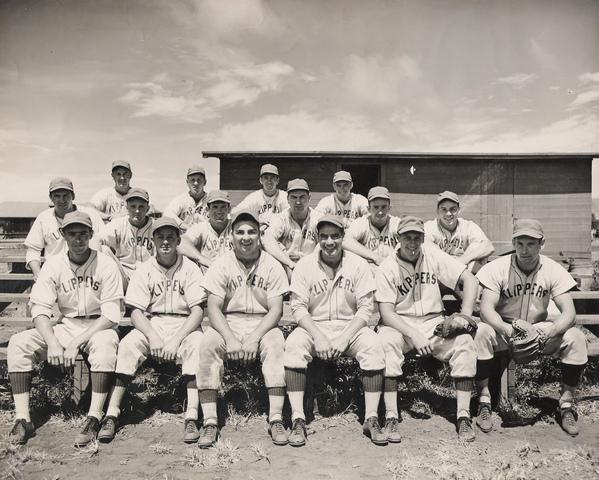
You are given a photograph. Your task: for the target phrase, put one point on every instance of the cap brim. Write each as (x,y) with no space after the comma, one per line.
(527,233)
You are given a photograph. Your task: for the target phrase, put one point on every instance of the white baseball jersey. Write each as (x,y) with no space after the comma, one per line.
(185,208)
(45,234)
(355,207)
(131,245)
(381,241)
(160,290)
(208,242)
(94,288)
(265,206)
(346,296)
(245,292)
(525,296)
(454,243)
(414,290)
(110,202)
(295,240)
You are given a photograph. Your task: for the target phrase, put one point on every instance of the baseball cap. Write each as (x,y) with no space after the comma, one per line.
(163,222)
(378,192)
(244,215)
(528,227)
(269,168)
(196,169)
(342,176)
(332,219)
(297,184)
(218,196)
(447,195)
(121,163)
(61,183)
(410,224)
(138,193)
(76,217)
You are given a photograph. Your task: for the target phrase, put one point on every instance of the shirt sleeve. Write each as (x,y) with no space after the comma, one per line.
(322,206)
(215,279)
(448,268)
(365,306)
(173,209)
(300,293)
(194,234)
(99,201)
(112,283)
(279,285)
(34,242)
(386,291)
(277,227)
(43,293)
(194,292)
(488,276)
(138,291)
(562,280)
(476,234)
(109,235)
(356,231)
(364,279)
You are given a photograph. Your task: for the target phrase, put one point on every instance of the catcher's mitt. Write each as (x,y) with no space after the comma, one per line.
(526,343)
(455,324)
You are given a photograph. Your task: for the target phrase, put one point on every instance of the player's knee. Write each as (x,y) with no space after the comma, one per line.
(575,338)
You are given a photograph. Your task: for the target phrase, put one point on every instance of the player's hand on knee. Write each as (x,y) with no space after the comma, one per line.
(422,344)
(55,354)
(70,354)
(323,347)
(338,346)
(169,352)
(234,349)
(250,350)
(156,347)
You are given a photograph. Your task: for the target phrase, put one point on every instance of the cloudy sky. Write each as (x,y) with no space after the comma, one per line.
(85,82)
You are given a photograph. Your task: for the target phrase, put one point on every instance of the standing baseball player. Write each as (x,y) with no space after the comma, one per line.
(129,238)
(245,290)
(332,293)
(462,239)
(292,233)
(411,306)
(165,294)
(45,232)
(520,286)
(206,241)
(190,207)
(86,286)
(343,202)
(267,201)
(110,202)
(374,236)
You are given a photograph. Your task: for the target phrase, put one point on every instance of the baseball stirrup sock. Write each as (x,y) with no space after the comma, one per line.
(463,384)
(208,396)
(295,378)
(483,369)
(571,374)
(101,381)
(372,380)
(390,384)
(122,380)
(20,382)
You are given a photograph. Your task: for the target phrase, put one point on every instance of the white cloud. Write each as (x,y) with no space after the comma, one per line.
(554,88)
(518,80)
(589,77)
(544,57)
(585,98)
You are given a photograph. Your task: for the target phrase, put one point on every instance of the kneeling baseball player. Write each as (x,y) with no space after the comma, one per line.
(165,294)
(86,285)
(245,290)
(332,293)
(516,294)
(411,305)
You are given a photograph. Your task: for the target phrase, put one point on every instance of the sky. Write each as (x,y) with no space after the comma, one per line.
(83,83)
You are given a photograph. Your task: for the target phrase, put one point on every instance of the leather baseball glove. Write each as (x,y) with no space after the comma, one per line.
(455,324)
(526,343)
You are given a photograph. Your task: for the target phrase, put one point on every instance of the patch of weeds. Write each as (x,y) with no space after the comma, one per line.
(326,423)
(236,420)
(161,418)
(15,457)
(69,420)
(90,450)
(260,451)
(161,448)
(221,456)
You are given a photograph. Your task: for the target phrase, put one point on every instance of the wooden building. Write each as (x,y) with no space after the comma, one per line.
(494,189)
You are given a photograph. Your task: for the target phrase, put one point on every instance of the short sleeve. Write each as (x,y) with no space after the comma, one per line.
(386,291)
(356,231)
(488,276)
(279,285)
(194,292)
(138,291)
(43,293)
(215,279)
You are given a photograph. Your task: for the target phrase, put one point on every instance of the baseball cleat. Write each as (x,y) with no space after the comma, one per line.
(568,421)
(208,436)
(191,434)
(392,430)
(465,430)
(484,419)
(21,431)
(372,429)
(107,429)
(88,433)
(297,436)
(278,433)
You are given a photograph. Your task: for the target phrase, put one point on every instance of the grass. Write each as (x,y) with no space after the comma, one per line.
(260,451)
(221,456)
(161,448)
(13,459)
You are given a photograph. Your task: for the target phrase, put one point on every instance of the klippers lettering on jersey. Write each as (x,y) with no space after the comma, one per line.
(384,240)
(186,209)
(132,245)
(295,239)
(110,202)
(457,242)
(207,241)
(355,207)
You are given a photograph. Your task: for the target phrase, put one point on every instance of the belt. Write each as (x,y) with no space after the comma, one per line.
(161,314)
(87,317)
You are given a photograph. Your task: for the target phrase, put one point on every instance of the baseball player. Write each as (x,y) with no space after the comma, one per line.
(190,207)
(267,201)
(411,306)
(332,293)
(343,202)
(110,202)
(45,232)
(205,241)
(245,290)
(520,286)
(292,233)
(460,238)
(165,294)
(129,238)
(86,286)
(374,236)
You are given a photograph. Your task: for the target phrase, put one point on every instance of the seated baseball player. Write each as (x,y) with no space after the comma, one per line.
(411,306)
(267,201)
(110,202)
(165,294)
(245,290)
(86,286)
(332,293)
(374,236)
(205,241)
(516,293)
(462,239)
(45,232)
(129,238)
(292,233)
(343,202)
(190,207)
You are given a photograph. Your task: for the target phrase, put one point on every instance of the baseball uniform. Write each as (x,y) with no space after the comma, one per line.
(355,207)
(382,241)
(457,242)
(296,241)
(110,202)
(264,205)
(187,210)
(209,243)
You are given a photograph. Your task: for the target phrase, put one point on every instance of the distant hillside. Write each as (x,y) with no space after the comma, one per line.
(21,209)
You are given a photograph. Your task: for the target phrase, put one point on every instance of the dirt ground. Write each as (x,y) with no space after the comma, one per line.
(336,449)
